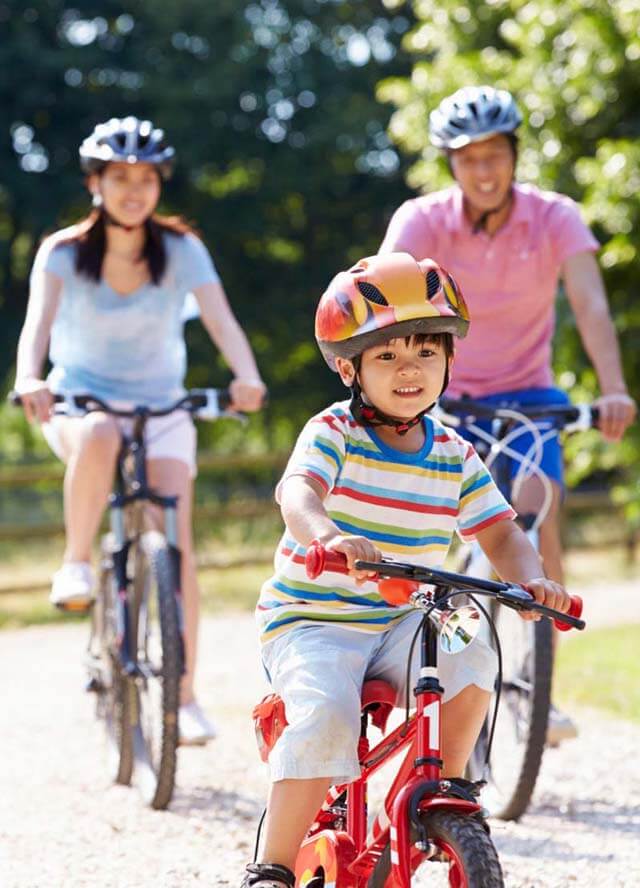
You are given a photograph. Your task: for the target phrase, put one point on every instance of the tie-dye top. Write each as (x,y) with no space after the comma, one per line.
(408,504)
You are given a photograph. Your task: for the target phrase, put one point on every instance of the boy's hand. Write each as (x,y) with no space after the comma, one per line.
(356,548)
(548,593)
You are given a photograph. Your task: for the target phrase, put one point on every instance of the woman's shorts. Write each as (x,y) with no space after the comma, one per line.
(319,672)
(166,437)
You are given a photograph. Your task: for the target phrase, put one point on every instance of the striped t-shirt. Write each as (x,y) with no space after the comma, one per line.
(407,504)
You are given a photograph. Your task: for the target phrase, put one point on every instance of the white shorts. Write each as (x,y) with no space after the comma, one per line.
(319,672)
(166,437)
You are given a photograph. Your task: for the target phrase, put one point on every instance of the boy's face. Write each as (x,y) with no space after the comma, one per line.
(400,378)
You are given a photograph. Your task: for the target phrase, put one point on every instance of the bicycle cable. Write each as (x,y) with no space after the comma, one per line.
(494,635)
(258,833)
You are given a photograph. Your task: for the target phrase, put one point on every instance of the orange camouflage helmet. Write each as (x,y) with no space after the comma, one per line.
(384,297)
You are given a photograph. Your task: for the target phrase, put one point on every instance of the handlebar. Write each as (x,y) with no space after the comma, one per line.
(571,418)
(207,403)
(398,583)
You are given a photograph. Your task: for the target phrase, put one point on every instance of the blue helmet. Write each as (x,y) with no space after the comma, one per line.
(472,114)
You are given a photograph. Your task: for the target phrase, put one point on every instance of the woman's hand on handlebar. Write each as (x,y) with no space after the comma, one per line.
(35,397)
(355,548)
(247,395)
(550,594)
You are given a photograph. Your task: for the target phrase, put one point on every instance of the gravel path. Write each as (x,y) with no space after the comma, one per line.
(63,826)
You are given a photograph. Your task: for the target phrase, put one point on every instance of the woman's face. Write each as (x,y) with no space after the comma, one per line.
(130,192)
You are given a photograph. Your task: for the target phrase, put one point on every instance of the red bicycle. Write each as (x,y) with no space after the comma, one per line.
(429,830)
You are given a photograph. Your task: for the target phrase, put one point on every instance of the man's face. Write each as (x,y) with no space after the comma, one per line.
(484,171)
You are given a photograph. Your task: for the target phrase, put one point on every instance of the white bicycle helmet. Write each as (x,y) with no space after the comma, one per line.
(472,114)
(126,140)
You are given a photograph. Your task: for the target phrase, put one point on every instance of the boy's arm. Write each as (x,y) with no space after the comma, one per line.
(301,502)
(516,561)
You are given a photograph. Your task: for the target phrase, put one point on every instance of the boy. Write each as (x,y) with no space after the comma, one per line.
(374,477)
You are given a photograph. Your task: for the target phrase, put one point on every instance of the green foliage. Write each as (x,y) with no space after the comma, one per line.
(574,67)
(283,159)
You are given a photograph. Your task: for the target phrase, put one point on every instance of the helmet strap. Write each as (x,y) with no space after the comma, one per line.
(368,414)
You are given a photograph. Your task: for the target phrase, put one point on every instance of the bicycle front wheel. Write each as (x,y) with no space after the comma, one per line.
(156,628)
(521,725)
(114,691)
(465,856)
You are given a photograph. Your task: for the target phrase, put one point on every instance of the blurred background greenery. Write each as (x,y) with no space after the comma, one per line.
(300,125)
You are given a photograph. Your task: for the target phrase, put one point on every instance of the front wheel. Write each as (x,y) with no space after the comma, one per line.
(465,856)
(159,662)
(114,692)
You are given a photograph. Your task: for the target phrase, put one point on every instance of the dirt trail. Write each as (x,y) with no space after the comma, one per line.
(63,826)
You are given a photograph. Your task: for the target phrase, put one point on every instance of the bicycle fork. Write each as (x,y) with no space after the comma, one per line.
(425,791)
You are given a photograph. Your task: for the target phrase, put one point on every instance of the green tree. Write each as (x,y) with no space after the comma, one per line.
(284,162)
(575,69)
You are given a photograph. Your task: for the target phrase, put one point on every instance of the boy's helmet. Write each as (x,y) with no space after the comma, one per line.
(472,114)
(384,297)
(126,141)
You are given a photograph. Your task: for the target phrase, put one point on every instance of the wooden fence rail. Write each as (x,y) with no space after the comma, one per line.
(577,504)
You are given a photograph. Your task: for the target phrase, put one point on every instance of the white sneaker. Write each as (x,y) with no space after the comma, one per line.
(194,727)
(72,586)
(560,727)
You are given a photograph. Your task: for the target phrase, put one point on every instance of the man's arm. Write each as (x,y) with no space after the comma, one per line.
(588,299)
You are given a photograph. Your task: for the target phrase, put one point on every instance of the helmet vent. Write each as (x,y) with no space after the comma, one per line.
(433,283)
(371,292)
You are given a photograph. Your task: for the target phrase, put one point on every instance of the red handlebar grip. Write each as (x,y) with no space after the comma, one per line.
(575,610)
(318,559)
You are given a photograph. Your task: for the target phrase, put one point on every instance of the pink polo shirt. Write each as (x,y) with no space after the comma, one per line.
(509,280)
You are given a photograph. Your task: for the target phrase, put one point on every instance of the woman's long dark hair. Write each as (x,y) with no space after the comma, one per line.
(90,243)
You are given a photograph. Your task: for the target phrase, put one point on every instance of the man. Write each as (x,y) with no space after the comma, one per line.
(508,246)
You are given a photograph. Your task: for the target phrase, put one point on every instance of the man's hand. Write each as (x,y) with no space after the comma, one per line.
(548,593)
(617,412)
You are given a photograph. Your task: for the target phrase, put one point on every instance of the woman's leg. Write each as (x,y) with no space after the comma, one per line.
(173,477)
(89,446)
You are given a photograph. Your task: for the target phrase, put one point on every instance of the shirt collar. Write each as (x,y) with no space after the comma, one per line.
(521,211)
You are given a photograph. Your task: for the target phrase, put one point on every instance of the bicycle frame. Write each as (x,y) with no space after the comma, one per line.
(416,787)
(127,502)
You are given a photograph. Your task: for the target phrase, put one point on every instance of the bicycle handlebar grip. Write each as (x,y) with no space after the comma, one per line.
(575,610)
(319,559)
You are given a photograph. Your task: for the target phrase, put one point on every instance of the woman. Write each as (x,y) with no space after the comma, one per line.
(107,296)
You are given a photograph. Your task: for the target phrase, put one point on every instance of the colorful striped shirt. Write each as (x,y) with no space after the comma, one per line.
(408,504)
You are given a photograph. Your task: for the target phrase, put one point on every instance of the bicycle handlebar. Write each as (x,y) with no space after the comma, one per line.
(573,417)
(202,403)
(398,581)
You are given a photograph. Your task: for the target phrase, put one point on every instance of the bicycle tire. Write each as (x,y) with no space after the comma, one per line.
(467,855)
(521,729)
(156,626)
(114,691)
